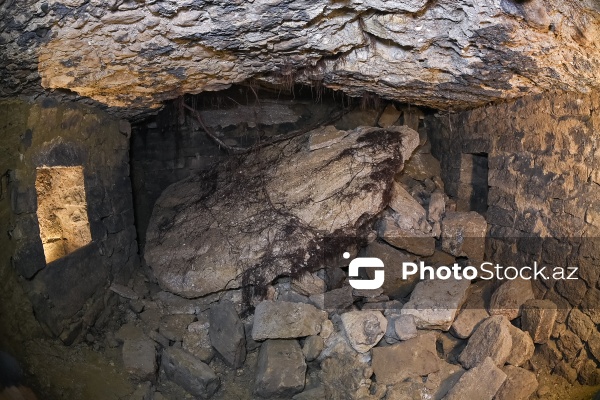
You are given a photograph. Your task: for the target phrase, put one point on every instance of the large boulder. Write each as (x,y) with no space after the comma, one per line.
(267,215)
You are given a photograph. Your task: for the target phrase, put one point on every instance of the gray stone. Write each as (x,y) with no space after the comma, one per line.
(174,326)
(537,318)
(345,375)
(336,299)
(522,347)
(309,284)
(463,235)
(520,384)
(227,334)
(439,383)
(189,372)
(313,345)
(403,326)
(124,291)
(186,256)
(281,369)
(481,382)
(282,320)
(391,228)
(474,310)
(196,340)
(510,296)
(418,358)
(492,339)
(410,215)
(139,358)
(364,329)
(394,285)
(434,303)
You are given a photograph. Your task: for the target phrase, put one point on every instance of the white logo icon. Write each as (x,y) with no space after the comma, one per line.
(365,262)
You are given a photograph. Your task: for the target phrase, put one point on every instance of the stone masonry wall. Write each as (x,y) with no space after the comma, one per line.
(69,293)
(543,203)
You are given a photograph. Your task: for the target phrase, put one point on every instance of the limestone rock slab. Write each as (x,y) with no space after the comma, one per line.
(283,320)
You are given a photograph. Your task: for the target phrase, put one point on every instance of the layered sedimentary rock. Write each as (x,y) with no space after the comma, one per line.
(271,212)
(441,54)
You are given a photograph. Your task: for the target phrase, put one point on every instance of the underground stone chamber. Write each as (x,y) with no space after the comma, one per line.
(184,187)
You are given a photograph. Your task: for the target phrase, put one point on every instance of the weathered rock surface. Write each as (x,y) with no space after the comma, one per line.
(283,320)
(393,286)
(520,384)
(281,369)
(227,334)
(538,317)
(413,358)
(189,372)
(173,326)
(481,382)
(364,329)
(492,340)
(196,340)
(391,228)
(510,296)
(438,54)
(463,234)
(522,347)
(474,310)
(139,358)
(313,345)
(402,327)
(434,302)
(270,214)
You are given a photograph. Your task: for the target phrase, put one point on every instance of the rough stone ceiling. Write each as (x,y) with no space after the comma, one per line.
(444,54)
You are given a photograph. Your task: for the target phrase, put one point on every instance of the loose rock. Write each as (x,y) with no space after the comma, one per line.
(492,340)
(364,329)
(538,317)
(510,296)
(282,320)
(481,382)
(522,347)
(418,358)
(520,384)
(434,302)
(139,359)
(463,234)
(189,372)
(227,334)
(281,369)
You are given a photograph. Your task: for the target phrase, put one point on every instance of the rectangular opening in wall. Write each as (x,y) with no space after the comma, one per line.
(473,187)
(62,210)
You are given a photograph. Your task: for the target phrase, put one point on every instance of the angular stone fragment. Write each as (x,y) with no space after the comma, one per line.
(435,302)
(313,345)
(580,324)
(537,318)
(192,255)
(474,310)
(390,228)
(404,326)
(364,329)
(520,384)
(281,369)
(282,320)
(492,340)
(569,345)
(410,359)
(139,358)
(410,216)
(196,340)
(463,234)
(389,116)
(394,285)
(309,284)
(190,373)
(227,334)
(336,299)
(510,296)
(481,382)
(439,383)
(522,347)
